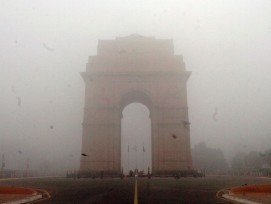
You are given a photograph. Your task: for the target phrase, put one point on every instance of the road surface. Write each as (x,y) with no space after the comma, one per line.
(115,190)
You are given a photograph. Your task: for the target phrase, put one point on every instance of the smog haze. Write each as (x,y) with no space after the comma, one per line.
(45,45)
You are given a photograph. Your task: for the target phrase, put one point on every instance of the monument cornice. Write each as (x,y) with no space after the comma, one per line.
(115,124)
(139,74)
(170,108)
(101,107)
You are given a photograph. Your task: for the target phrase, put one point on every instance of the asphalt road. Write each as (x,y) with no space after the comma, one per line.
(115,190)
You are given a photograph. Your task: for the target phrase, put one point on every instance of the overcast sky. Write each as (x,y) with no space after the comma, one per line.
(44,45)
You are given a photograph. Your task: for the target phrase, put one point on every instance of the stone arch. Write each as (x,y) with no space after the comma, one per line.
(136,96)
(149,73)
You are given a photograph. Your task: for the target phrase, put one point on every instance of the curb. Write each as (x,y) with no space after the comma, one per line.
(225,194)
(239,200)
(25,200)
(28,195)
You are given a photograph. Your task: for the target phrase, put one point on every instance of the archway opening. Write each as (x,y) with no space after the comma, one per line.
(136,138)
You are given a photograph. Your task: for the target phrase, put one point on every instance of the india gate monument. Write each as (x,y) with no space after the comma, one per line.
(135,69)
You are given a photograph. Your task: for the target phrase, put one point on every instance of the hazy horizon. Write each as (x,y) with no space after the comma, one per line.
(45,45)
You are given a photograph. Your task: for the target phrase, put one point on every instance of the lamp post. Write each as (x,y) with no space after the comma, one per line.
(2,165)
(186,126)
(83,161)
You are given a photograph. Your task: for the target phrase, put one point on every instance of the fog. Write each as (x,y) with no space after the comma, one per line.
(45,45)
